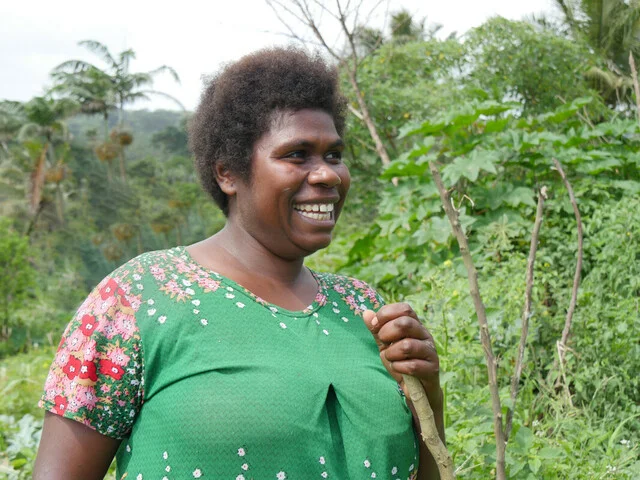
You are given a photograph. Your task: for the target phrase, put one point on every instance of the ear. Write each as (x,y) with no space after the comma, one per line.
(226,180)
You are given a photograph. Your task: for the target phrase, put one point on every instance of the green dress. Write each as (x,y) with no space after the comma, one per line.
(200,378)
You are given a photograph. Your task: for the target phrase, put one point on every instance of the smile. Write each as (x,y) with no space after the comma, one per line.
(315,211)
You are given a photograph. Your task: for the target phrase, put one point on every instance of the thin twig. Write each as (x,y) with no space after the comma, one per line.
(576,277)
(428,428)
(526,311)
(636,87)
(485,337)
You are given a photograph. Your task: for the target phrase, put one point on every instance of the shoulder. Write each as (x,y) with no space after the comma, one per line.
(357,293)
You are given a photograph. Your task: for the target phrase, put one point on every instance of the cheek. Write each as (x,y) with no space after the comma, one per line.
(345,179)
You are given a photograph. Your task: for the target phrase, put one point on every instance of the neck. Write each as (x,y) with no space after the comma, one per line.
(252,256)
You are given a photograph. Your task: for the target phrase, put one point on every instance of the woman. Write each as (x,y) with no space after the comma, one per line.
(229,358)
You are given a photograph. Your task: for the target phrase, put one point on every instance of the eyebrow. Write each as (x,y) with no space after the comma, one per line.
(307,144)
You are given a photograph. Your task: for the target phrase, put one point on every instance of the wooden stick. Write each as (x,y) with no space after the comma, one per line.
(485,337)
(526,312)
(576,278)
(428,427)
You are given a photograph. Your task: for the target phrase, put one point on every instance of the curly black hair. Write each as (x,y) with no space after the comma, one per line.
(238,107)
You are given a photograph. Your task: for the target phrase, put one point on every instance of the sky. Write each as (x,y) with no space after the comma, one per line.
(195,38)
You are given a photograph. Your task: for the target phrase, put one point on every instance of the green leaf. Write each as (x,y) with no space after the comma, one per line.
(469,166)
(523,440)
(534,464)
(550,452)
(520,195)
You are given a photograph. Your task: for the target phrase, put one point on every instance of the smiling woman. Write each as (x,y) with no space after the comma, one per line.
(229,358)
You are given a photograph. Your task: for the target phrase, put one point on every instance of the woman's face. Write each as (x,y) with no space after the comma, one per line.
(298,184)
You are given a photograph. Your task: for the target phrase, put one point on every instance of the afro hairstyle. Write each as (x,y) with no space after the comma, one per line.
(239,105)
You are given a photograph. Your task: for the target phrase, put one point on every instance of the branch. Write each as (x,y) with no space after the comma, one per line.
(526,312)
(576,278)
(355,112)
(636,87)
(428,427)
(485,338)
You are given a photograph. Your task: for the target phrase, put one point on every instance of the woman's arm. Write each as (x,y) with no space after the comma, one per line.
(70,450)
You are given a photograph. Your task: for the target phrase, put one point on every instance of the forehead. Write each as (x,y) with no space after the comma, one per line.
(307,123)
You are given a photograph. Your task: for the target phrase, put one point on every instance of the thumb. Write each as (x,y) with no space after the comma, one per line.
(371,321)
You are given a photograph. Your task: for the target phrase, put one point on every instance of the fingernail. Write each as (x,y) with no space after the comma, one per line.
(374,322)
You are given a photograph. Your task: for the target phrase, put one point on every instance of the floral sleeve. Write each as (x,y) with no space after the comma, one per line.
(97,375)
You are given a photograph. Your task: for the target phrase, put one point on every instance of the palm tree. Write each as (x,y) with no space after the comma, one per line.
(612,29)
(116,84)
(44,126)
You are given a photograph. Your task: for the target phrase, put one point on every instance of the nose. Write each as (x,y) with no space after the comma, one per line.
(324,174)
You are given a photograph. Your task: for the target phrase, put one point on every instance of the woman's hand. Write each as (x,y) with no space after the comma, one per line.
(406,347)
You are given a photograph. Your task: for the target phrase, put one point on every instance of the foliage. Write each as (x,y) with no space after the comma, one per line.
(17,277)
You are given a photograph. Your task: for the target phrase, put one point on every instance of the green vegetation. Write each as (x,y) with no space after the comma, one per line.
(491,113)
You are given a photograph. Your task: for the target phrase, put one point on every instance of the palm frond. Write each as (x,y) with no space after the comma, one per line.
(99,49)
(166,95)
(74,66)
(162,69)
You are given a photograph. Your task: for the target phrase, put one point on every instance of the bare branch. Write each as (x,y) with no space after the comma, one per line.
(485,337)
(354,111)
(526,311)
(576,278)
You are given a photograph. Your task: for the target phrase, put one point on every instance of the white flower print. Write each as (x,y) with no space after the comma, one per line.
(281,475)
(196,311)
(204,322)
(150,301)
(394,470)
(196,302)
(411,467)
(322,460)
(245,466)
(139,477)
(197,473)
(283,325)
(240,304)
(240,477)
(315,314)
(162,318)
(165,478)
(335,310)
(186,283)
(373,475)
(190,291)
(326,332)
(167,469)
(165,455)
(229,295)
(151,312)
(128,448)
(335,304)
(324,474)
(241,452)
(367,463)
(345,319)
(136,277)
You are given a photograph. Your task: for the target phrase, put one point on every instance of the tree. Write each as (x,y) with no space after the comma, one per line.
(125,87)
(45,124)
(612,29)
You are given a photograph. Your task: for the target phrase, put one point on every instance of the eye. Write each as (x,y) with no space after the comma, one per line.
(334,156)
(296,155)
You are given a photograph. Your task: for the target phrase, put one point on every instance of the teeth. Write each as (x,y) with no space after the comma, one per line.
(316,216)
(314,207)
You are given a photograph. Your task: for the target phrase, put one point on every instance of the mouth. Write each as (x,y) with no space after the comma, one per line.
(315,211)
